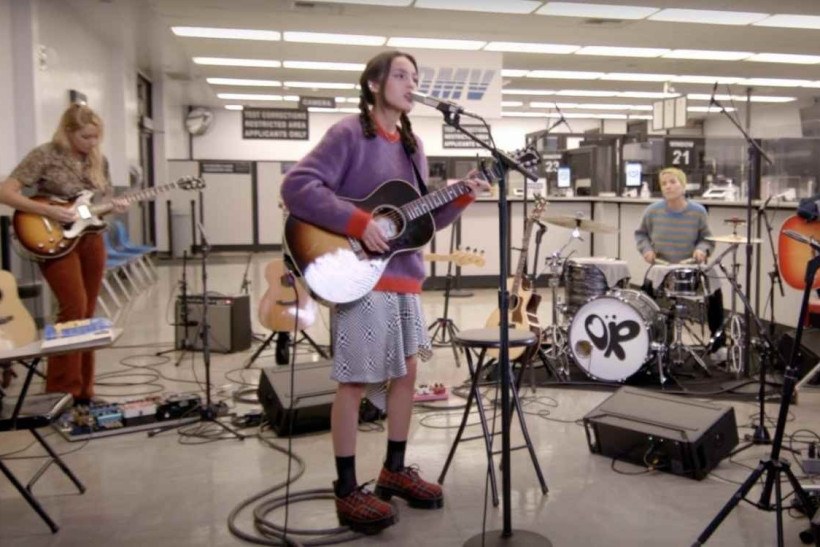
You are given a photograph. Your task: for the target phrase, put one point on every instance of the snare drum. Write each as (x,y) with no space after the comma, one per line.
(684,281)
(611,337)
(586,278)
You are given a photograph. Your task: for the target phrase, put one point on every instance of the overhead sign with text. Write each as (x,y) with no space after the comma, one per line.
(275,123)
(453,138)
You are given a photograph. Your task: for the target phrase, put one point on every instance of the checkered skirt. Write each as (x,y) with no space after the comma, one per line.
(373,337)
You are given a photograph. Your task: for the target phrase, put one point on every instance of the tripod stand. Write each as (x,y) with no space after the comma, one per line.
(186,345)
(774,466)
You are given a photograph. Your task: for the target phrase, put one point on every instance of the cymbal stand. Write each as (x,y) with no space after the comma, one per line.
(555,336)
(443,329)
(678,352)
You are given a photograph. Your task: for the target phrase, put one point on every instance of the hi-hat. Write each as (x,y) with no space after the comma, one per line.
(733,239)
(584,224)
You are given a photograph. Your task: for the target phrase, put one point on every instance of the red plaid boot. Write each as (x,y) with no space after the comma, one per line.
(363,512)
(407,485)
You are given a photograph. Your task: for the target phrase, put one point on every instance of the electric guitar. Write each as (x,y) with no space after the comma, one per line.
(459,258)
(794,255)
(523,302)
(43,238)
(339,269)
(16,325)
(285,307)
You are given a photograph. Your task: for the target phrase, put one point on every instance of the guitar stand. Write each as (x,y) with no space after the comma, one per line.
(443,330)
(305,337)
(186,345)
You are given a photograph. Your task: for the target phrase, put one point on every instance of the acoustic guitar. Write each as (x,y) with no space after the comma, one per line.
(459,258)
(339,269)
(523,312)
(286,305)
(794,255)
(16,325)
(43,238)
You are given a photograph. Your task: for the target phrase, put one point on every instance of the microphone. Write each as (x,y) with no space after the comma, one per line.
(448,108)
(712,98)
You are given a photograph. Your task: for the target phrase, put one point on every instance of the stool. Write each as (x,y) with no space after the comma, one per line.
(482,340)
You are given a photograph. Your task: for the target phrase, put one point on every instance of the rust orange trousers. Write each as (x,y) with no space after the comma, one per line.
(75,280)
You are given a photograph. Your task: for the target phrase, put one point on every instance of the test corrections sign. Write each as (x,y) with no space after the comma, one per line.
(275,123)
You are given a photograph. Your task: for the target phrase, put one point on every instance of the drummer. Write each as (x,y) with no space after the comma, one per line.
(675,230)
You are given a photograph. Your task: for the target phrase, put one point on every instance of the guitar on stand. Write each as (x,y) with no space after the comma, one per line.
(17,327)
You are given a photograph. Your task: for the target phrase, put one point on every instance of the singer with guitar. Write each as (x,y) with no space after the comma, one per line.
(377,337)
(61,169)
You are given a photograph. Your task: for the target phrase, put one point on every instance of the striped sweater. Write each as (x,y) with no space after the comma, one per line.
(674,235)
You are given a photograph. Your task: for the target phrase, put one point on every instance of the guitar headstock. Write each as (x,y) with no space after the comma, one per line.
(468,257)
(539,206)
(191,183)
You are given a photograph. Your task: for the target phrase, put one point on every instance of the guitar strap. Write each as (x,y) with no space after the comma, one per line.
(419,180)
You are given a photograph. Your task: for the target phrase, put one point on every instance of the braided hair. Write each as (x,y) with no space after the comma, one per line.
(378,70)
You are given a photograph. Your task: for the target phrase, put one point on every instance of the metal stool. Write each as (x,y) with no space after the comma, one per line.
(482,340)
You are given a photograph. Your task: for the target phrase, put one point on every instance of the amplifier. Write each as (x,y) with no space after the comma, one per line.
(229,321)
(677,435)
(308,409)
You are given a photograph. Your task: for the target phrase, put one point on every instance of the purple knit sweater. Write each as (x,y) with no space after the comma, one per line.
(346,164)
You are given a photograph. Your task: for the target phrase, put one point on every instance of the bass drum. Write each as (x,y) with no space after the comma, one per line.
(611,336)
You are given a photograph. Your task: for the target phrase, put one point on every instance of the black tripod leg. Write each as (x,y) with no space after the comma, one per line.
(313,344)
(731,504)
(260,349)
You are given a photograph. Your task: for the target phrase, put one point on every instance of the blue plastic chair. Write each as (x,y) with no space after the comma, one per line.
(122,243)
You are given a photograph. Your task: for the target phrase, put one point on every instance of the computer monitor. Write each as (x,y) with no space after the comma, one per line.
(564,178)
(633,174)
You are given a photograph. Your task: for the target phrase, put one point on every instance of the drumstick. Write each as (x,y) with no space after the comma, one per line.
(661,262)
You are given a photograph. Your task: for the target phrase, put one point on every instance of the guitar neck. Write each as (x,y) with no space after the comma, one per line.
(432,201)
(522,259)
(132,197)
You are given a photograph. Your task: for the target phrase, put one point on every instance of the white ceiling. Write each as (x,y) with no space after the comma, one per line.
(289,15)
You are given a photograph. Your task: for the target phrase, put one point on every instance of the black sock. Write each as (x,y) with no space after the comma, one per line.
(395,455)
(346,471)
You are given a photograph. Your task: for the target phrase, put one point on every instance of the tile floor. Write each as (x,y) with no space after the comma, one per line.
(171,490)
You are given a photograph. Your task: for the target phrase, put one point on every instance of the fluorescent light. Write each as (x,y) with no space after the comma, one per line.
(513,114)
(610,116)
(319,65)
(589,106)
(707,109)
(775,82)
(790,21)
(511,103)
(754,98)
(622,51)
(709,17)
(640,117)
(598,11)
(319,85)
(528,47)
(225,61)
(234,107)
(707,55)
(564,74)
(347,99)
(636,77)
(519,7)
(328,38)
(784,58)
(227,33)
(527,92)
(585,93)
(514,72)
(693,79)
(245,82)
(646,94)
(541,104)
(291,98)
(436,43)
(390,3)
(248,97)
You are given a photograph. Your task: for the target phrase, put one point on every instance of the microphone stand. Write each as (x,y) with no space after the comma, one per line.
(246,283)
(185,345)
(504,164)
(755,153)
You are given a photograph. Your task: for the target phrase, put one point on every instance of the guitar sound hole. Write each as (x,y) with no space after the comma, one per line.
(390,221)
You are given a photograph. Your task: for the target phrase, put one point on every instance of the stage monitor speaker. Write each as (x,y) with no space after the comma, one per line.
(309,408)
(673,434)
(229,322)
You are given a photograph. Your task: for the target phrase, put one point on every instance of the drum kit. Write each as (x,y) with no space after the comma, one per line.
(614,333)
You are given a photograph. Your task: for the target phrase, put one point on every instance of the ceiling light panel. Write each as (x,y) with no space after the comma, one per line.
(244,82)
(227,33)
(436,43)
(527,92)
(585,93)
(320,65)
(519,7)
(328,38)
(248,97)
(707,55)
(790,21)
(694,79)
(512,114)
(225,61)
(707,109)
(529,47)
(598,11)
(564,74)
(754,98)
(513,73)
(784,58)
(389,3)
(622,51)
(775,82)
(645,95)
(234,107)
(319,85)
(708,17)
(636,77)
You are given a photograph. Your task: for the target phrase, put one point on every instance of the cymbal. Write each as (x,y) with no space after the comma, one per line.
(584,224)
(734,240)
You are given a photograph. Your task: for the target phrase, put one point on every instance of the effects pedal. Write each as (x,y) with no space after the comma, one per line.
(431,392)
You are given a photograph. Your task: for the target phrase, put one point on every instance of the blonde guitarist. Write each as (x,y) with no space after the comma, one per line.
(69,164)
(523,302)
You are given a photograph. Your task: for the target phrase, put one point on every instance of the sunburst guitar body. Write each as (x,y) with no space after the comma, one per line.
(794,255)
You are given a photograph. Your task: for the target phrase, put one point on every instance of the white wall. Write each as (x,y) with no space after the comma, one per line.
(769,121)
(8,142)
(224,140)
